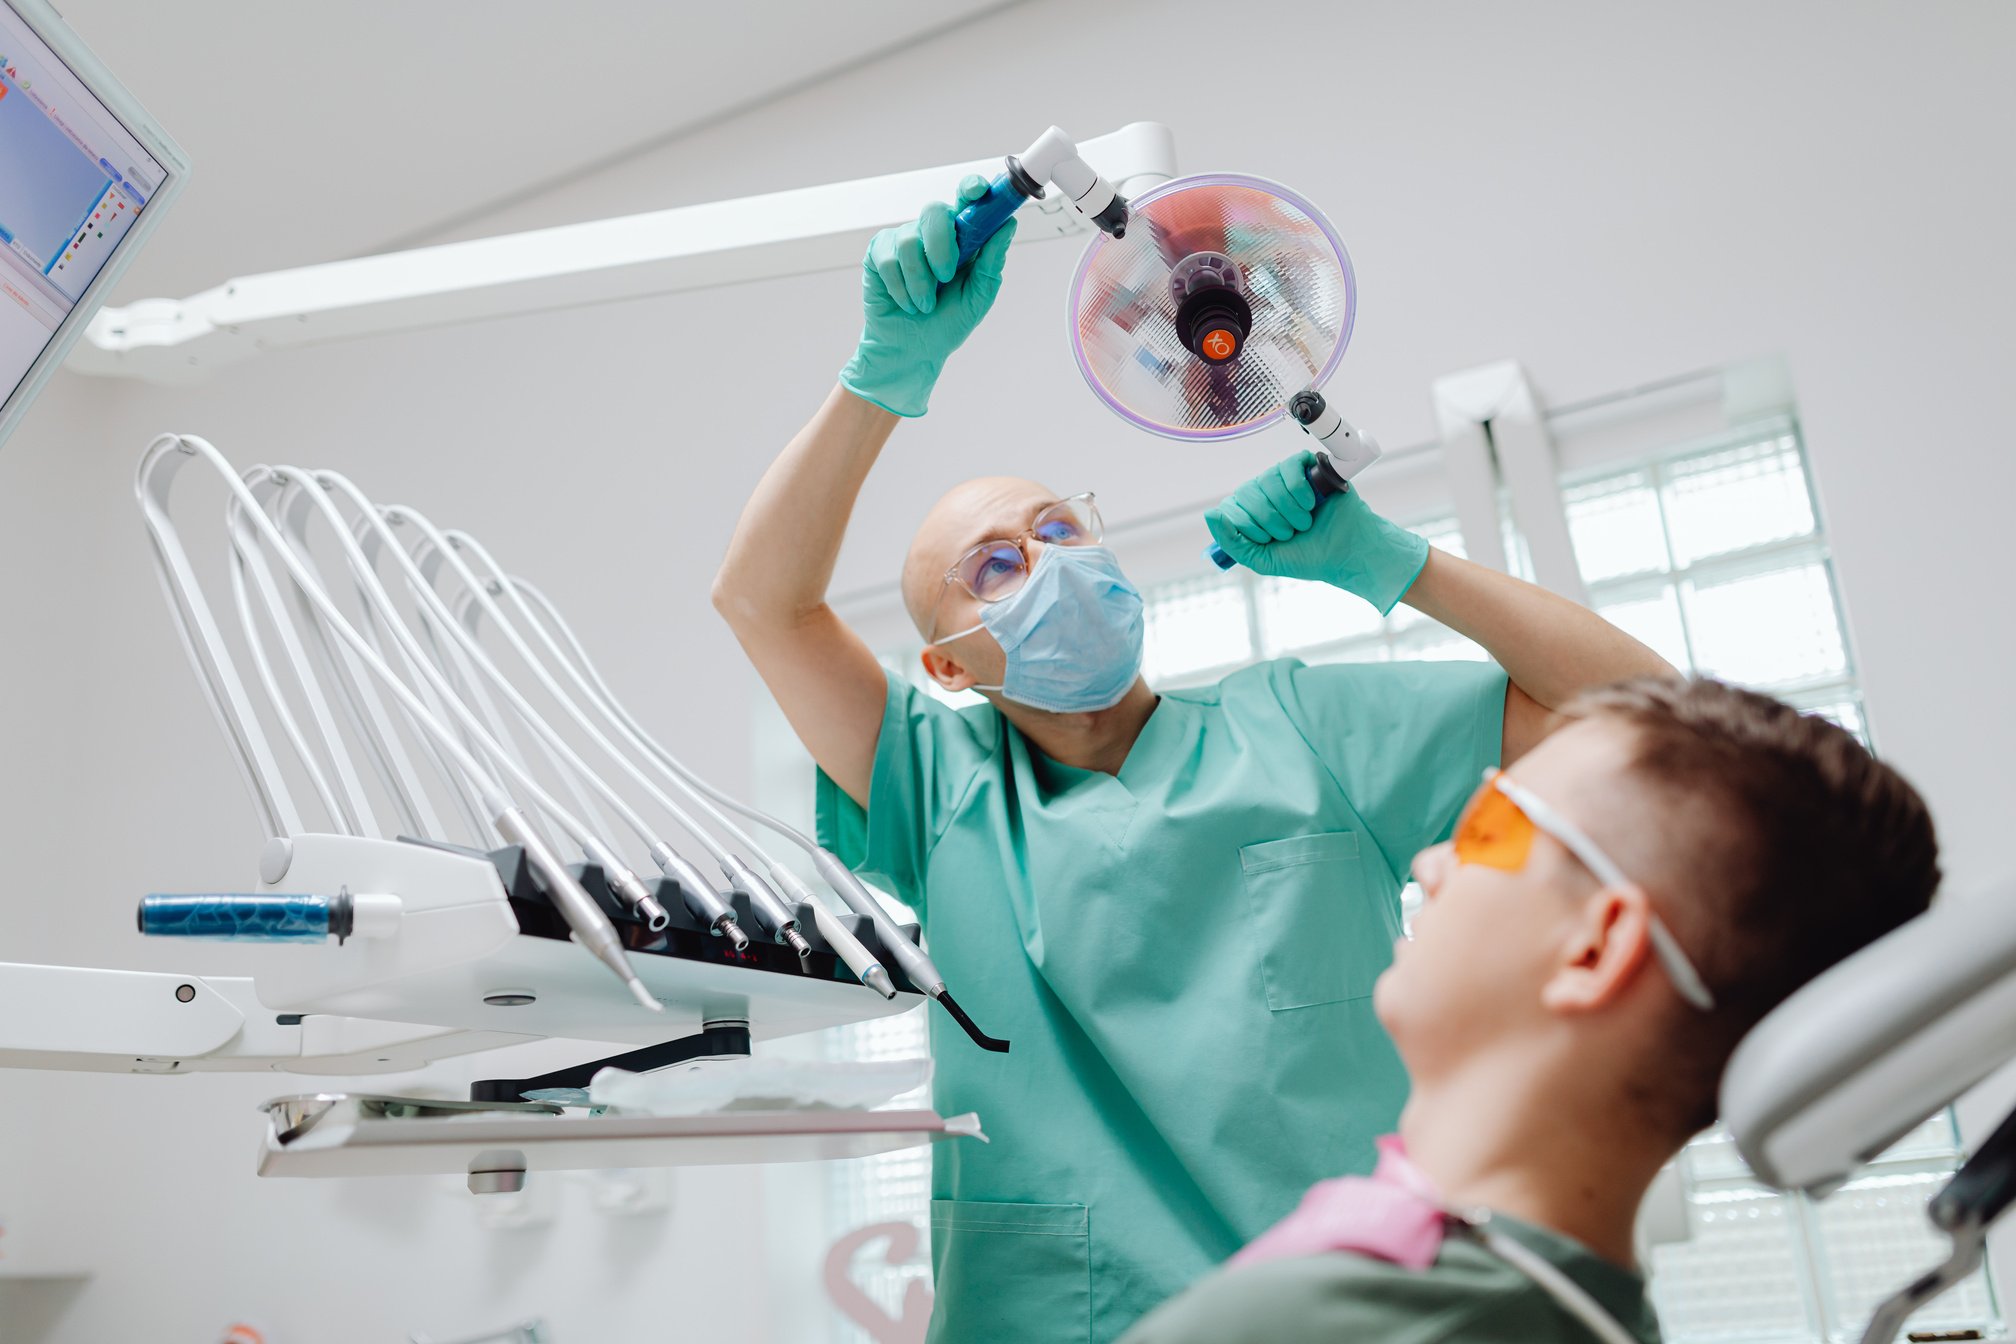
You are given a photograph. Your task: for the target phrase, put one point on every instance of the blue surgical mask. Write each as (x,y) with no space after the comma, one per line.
(1073,633)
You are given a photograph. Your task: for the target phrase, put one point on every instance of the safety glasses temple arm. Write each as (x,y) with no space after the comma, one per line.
(1679,967)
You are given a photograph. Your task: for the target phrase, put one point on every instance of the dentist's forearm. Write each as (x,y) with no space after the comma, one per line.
(1550,647)
(781,558)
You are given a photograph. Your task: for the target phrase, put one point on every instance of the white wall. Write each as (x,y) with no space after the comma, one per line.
(1609,194)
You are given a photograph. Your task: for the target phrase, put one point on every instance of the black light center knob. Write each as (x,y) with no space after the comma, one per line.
(1213,324)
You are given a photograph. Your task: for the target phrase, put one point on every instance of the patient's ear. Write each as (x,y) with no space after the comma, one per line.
(1606,946)
(945,669)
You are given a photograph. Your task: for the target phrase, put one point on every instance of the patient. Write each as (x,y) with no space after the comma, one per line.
(1612,916)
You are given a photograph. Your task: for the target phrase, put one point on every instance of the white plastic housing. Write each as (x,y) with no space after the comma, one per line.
(1350,450)
(1850,1063)
(1054,158)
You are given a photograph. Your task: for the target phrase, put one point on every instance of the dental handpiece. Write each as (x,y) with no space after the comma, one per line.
(1052,158)
(538,611)
(777,919)
(591,927)
(702,900)
(908,955)
(837,935)
(629,888)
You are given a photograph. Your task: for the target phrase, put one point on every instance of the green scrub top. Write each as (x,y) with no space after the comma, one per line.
(1468,1294)
(1183,956)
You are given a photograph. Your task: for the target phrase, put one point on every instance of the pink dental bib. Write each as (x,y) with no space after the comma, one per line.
(1392,1215)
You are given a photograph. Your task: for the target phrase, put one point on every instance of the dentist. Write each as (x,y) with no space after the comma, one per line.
(1176,905)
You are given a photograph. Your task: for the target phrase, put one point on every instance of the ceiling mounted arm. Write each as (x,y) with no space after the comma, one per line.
(634,256)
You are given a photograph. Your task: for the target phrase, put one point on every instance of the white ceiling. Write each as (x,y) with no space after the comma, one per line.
(323,130)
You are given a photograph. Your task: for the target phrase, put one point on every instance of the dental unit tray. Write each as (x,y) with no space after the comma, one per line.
(334,1134)
(477,960)
(480,896)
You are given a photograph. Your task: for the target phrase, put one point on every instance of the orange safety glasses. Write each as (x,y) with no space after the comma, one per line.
(1496,831)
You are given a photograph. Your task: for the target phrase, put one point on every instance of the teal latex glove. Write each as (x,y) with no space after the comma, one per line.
(918,311)
(1273,525)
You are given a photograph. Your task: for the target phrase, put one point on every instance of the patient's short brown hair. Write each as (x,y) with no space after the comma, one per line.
(1787,847)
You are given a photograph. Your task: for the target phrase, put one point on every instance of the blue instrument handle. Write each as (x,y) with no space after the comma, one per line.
(237,917)
(1323,479)
(982,219)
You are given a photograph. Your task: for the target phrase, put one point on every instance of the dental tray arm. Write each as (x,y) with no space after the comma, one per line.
(94,1020)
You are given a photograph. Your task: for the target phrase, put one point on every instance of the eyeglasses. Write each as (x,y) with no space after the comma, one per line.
(1496,831)
(996,570)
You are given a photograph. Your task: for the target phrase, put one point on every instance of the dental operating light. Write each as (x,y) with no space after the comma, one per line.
(1222,311)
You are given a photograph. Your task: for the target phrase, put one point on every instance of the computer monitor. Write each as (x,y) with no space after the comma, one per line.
(85,175)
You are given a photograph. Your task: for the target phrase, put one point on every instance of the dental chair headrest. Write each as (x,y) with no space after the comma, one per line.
(1849,1064)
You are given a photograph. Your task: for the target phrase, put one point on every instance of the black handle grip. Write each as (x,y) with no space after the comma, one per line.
(1323,478)
(1984,1186)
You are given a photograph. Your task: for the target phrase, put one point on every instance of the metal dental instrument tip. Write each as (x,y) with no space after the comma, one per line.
(643,995)
(629,888)
(772,914)
(705,903)
(845,945)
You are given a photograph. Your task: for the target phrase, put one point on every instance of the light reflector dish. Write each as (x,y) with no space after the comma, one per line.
(1296,277)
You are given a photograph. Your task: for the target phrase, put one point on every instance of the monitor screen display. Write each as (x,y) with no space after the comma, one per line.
(73,183)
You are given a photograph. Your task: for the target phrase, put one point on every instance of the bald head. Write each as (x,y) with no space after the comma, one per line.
(968,514)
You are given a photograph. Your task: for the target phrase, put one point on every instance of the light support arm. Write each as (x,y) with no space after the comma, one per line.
(690,247)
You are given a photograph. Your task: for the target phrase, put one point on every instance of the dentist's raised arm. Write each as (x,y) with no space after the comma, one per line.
(1551,648)
(918,307)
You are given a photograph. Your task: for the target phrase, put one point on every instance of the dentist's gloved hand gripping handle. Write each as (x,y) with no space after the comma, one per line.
(1273,526)
(918,305)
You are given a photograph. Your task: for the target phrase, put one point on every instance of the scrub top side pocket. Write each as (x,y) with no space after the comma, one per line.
(1325,931)
(1011,1271)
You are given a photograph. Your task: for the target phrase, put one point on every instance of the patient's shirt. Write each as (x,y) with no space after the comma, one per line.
(1468,1295)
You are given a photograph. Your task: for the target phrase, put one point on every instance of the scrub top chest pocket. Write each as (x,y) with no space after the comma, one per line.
(1325,930)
